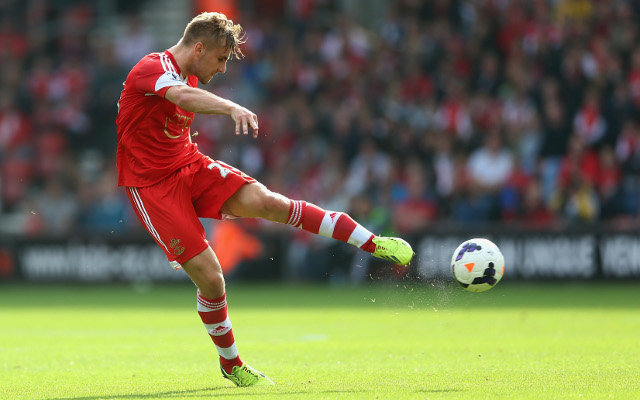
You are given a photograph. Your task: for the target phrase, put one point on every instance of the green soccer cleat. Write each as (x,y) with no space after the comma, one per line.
(245,375)
(393,249)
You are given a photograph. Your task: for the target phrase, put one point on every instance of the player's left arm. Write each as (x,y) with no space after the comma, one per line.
(202,102)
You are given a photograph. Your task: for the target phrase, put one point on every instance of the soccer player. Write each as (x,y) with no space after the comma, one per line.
(171,184)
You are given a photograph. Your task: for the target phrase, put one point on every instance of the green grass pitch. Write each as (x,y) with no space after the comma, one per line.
(392,341)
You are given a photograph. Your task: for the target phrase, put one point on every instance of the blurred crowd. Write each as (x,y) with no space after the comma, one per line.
(451,112)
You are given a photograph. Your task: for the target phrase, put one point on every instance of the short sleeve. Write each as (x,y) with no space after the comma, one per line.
(157,75)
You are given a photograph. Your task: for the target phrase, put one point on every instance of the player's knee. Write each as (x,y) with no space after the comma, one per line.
(269,205)
(212,285)
(275,207)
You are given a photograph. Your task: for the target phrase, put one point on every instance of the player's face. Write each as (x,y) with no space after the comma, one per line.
(211,61)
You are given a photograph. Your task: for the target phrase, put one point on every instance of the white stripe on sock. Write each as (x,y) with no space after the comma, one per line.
(298,220)
(207,306)
(294,205)
(228,352)
(220,328)
(296,213)
(359,236)
(328,223)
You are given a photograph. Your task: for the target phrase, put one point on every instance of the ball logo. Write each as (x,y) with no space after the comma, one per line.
(467,248)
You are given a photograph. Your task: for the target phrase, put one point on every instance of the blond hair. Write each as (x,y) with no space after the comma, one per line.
(214,28)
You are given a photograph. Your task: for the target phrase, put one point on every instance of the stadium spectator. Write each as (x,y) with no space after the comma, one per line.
(577,200)
(540,73)
(132,42)
(490,167)
(534,212)
(608,183)
(56,206)
(589,123)
(414,209)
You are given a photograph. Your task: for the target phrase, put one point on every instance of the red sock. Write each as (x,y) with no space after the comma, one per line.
(336,225)
(369,246)
(213,313)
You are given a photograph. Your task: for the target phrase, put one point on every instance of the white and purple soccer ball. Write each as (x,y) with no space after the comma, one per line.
(477,265)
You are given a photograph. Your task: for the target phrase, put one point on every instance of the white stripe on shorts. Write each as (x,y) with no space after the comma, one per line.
(147,221)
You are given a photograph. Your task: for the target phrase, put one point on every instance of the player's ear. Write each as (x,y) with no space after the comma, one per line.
(199,49)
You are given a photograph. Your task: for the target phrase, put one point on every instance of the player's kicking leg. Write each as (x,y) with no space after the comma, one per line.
(255,200)
(205,271)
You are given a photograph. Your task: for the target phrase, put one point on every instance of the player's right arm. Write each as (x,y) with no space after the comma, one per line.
(202,102)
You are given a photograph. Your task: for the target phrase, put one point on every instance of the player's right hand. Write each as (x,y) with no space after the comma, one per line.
(243,119)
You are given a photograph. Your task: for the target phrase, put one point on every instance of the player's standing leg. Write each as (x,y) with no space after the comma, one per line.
(205,271)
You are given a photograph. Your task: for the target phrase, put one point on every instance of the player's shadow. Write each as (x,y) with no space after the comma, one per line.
(439,390)
(224,391)
(158,395)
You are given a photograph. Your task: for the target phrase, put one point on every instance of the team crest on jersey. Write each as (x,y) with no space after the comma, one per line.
(175,245)
(181,120)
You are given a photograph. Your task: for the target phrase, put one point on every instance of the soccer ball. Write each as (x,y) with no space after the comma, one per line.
(477,265)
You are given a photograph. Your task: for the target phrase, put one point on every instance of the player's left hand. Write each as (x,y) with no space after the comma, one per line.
(243,119)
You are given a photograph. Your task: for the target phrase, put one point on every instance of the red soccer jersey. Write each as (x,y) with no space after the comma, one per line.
(153,133)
